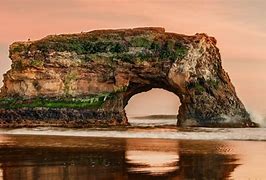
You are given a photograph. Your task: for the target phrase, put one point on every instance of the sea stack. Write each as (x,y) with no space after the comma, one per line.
(86,79)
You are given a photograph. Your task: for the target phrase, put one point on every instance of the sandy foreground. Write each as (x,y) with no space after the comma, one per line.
(51,155)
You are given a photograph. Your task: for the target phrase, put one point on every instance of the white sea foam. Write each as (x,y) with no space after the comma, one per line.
(163,133)
(151,122)
(258,118)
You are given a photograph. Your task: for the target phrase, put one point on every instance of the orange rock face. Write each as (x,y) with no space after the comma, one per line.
(120,63)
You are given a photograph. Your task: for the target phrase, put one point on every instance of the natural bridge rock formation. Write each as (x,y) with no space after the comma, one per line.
(86,79)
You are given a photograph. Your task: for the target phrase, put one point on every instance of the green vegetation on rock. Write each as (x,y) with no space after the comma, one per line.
(199,87)
(94,101)
(121,89)
(139,41)
(213,83)
(196,86)
(172,50)
(128,49)
(81,46)
(19,47)
(36,63)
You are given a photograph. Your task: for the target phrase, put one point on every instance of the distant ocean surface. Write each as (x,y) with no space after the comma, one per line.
(151,148)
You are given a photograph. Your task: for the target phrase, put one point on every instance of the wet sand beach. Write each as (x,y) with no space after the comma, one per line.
(54,154)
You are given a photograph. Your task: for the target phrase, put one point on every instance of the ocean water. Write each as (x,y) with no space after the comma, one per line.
(149,149)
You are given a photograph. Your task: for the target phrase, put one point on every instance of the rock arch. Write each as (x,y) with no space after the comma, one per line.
(87,79)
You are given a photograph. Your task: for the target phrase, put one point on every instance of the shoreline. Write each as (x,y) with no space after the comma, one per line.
(234,134)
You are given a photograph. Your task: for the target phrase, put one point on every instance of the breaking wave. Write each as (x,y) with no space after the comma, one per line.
(254,134)
(258,118)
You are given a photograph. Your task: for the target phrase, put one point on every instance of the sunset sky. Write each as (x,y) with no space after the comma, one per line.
(238,25)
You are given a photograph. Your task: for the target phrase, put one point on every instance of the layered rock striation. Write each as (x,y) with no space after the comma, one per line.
(86,79)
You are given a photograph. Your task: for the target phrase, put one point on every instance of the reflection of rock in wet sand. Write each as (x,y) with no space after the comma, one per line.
(153,157)
(35,157)
(179,159)
(61,164)
(205,160)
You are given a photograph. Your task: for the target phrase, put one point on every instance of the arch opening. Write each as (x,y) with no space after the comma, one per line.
(155,107)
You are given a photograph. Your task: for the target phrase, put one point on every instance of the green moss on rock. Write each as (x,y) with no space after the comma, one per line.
(213,83)
(19,48)
(118,45)
(36,63)
(140,41)
(94,101)
(199,87)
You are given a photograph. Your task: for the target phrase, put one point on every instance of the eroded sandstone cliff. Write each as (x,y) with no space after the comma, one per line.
(86,79)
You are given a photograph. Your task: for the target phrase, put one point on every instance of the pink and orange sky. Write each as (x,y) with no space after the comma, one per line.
(238,25)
